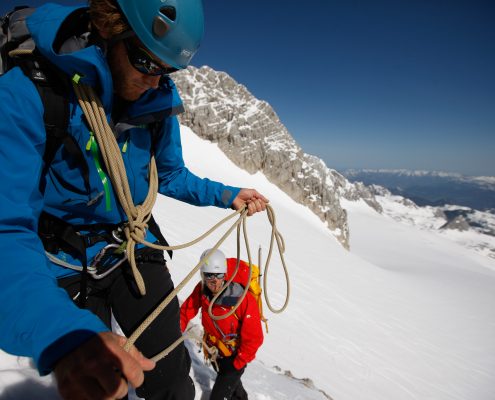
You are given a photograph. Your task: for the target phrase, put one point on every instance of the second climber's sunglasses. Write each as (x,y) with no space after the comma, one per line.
(144,62)
(209,276)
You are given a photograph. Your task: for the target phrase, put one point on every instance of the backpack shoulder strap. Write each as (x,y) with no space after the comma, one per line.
(53,87)
(54,90)
(17,48)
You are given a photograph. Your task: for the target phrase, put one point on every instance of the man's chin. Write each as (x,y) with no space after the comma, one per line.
(131,95)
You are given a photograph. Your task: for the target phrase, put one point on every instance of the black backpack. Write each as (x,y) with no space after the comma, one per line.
(17,49)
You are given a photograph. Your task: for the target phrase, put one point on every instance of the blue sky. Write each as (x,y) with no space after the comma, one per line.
(367,84)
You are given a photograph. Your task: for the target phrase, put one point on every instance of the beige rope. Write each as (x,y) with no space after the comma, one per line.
(20,52)
(189,334)
(281,247)
(138,216)
(149,320)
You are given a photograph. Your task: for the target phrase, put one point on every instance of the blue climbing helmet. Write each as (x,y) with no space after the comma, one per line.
(171,29)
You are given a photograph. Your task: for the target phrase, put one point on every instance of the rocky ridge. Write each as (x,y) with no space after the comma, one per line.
(250,133)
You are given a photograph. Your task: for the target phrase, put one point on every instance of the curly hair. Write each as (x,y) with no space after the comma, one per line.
(107,17)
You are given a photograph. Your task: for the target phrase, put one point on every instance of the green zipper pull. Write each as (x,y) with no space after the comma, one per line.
(124,147)
(91,137)
(76,78)
(93,146)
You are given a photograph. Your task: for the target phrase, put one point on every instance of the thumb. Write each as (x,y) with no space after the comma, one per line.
(145,363)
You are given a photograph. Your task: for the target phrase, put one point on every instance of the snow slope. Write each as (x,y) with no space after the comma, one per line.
(405,315)
(478,233)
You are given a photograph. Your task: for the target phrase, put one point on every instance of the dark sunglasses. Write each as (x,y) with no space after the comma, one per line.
(209,276)
(144,62)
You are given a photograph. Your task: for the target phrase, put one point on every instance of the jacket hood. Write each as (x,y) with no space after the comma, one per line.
(89,62)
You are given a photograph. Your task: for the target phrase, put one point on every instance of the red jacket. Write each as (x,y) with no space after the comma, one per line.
(245,322)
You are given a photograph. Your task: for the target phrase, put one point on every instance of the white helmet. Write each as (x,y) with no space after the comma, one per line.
(216,263)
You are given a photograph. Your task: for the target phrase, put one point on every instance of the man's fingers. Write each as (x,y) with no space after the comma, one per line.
(132,371)
(132,363)
(101,369)
(261,205)
(145,363)
(261,197)
(133,366)
(252,199)
(255,205)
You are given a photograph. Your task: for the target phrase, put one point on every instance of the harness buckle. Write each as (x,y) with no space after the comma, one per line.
(109,258)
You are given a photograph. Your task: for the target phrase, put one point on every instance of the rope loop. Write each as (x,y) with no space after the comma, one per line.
(138,216)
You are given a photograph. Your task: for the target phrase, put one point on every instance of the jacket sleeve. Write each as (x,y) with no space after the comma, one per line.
(37,318)
(190,307)
(251,333)
(178,182)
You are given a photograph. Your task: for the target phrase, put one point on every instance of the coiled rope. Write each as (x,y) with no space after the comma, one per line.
(139,215)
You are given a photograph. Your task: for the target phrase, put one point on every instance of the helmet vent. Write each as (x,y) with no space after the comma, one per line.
(160,26)
(169,12)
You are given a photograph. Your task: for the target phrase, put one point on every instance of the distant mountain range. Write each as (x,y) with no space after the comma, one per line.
(431,188)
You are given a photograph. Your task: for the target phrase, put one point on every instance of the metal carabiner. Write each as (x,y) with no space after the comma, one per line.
(94,267)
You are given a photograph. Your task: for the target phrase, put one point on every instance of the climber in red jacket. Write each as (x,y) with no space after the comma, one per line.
(236,337)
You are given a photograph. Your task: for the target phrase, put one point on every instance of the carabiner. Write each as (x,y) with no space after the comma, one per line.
(102,257)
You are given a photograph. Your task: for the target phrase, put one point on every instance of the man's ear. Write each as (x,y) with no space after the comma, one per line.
(104,33)
(101,30)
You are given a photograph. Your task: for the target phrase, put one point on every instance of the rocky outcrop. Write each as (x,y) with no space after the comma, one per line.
(459,223)
(250,133)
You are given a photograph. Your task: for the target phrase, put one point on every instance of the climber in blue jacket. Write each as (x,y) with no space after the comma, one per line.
(51,308)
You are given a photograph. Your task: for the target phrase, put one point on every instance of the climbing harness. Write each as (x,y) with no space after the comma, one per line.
(225,345)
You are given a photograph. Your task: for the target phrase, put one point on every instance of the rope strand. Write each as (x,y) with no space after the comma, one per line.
(138,217)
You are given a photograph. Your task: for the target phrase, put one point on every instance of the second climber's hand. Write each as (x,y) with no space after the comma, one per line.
(101,369)
(252,199)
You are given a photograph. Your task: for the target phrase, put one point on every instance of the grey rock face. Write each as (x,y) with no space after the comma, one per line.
(458,223)
(250,133)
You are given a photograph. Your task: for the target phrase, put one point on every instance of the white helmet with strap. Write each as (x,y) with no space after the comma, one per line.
(216,263)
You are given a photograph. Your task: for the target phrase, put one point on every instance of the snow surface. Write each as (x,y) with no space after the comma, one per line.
(406,314)
(429,218)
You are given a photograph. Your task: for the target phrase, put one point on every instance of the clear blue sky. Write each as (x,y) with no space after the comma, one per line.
(373,84)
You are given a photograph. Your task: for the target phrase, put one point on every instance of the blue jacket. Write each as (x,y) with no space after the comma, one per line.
(37,319)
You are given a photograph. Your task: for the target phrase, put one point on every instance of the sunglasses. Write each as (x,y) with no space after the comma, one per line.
(210,276)
(144,62)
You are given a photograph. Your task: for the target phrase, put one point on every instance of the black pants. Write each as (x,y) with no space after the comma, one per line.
(118,293)
(228,384)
